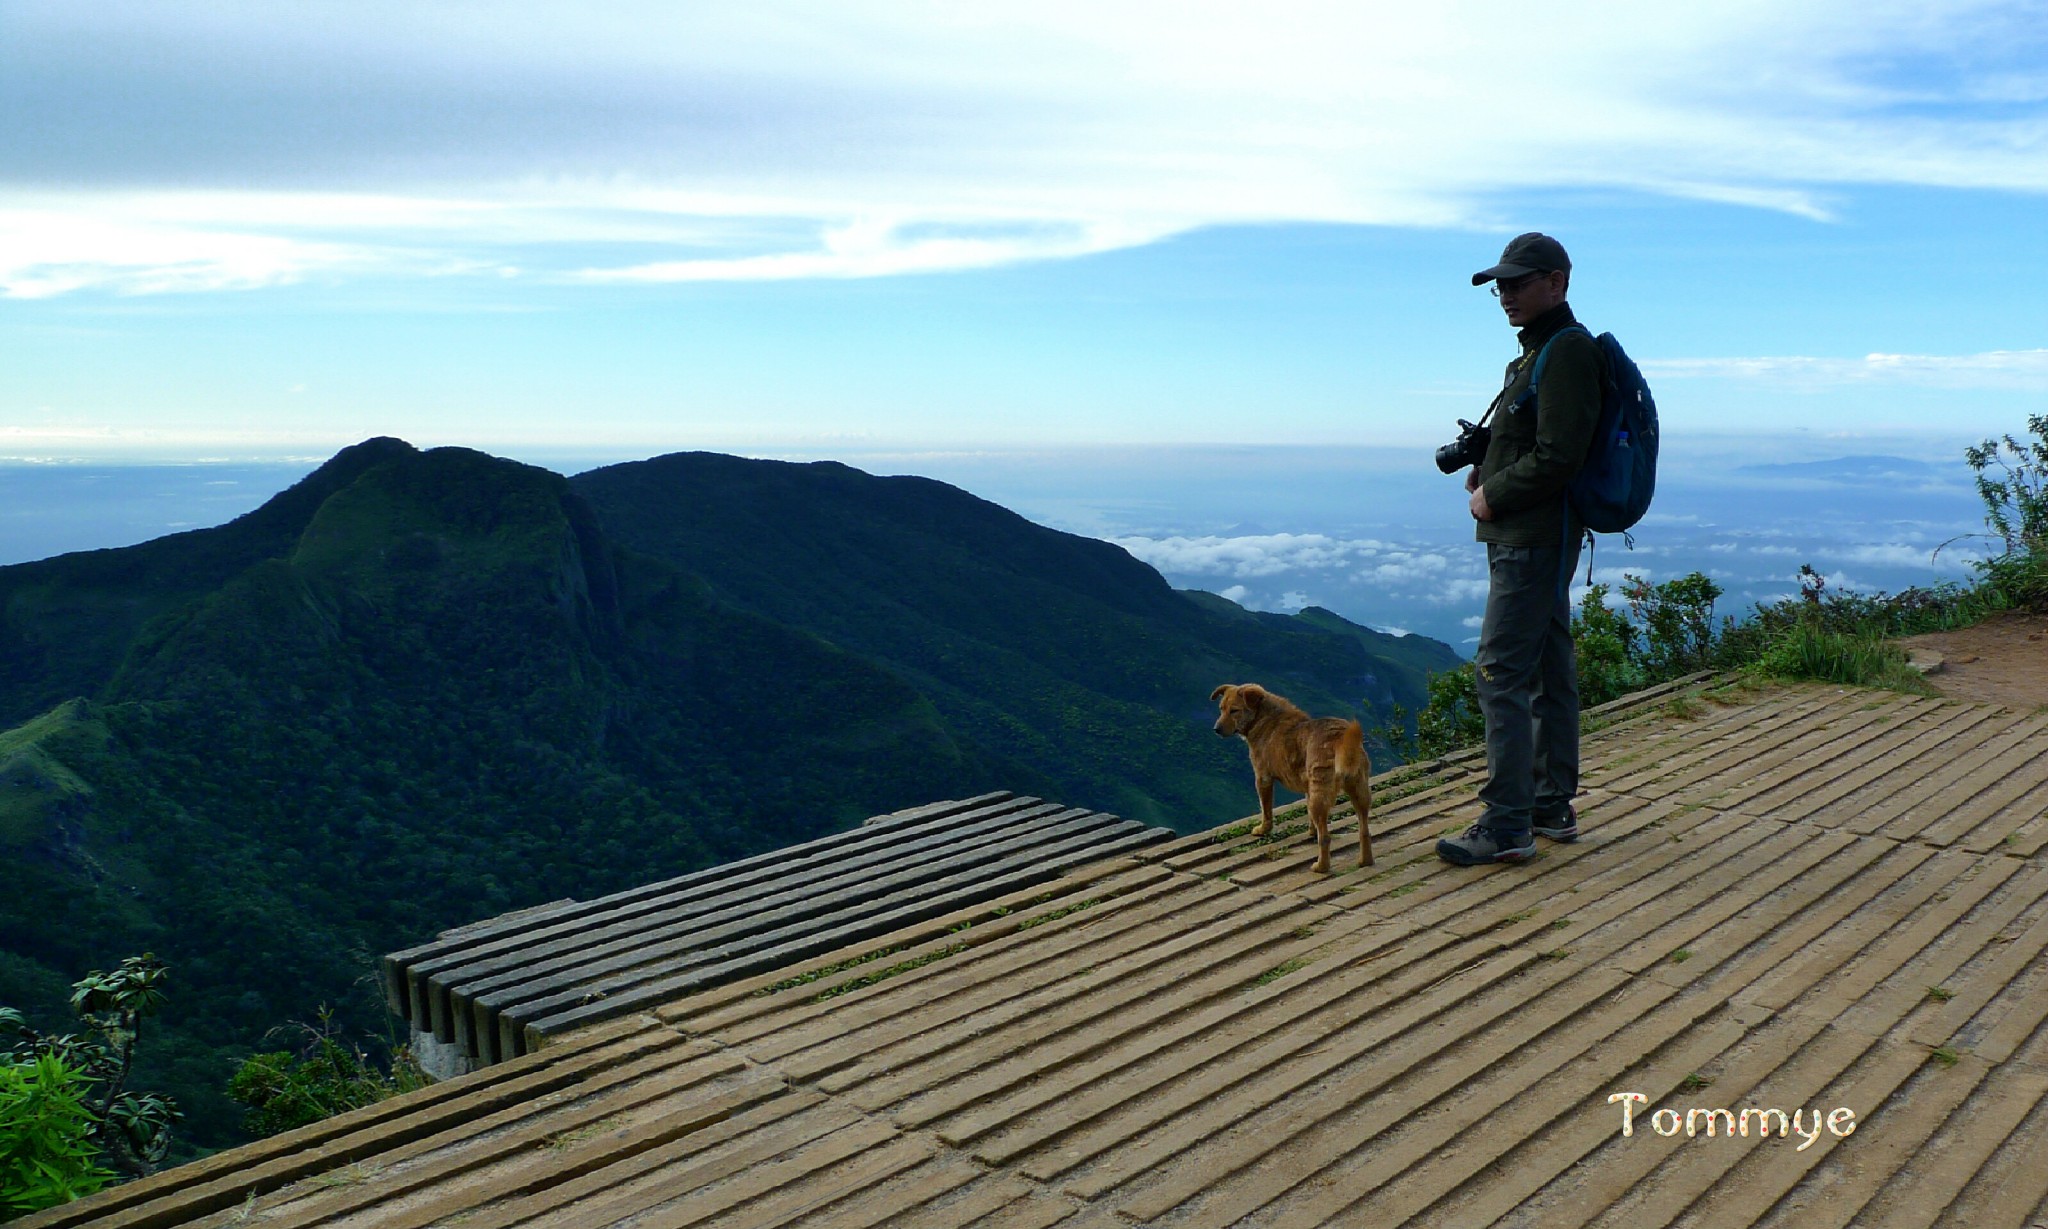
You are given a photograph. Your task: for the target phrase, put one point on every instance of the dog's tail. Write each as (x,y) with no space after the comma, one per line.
(1351,757)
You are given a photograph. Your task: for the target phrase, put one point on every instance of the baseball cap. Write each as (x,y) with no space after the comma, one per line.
(1531,253)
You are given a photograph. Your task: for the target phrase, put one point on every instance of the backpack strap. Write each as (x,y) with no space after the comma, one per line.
(1565,545)
(1543,355)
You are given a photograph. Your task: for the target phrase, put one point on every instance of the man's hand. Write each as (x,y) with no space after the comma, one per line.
(1480,510)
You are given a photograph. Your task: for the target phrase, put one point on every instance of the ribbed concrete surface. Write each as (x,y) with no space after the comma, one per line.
(496,989)
(1803,899)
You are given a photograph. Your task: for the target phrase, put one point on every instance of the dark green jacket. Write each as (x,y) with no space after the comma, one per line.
(1534,454)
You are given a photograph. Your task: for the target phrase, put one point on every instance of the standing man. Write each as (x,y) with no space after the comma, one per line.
(1525,669)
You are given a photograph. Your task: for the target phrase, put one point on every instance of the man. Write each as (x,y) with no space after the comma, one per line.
(1525,669)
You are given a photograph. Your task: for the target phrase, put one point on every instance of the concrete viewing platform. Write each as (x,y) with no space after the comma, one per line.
(1823,901)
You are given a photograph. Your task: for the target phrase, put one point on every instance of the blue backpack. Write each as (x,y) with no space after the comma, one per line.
(1611,493)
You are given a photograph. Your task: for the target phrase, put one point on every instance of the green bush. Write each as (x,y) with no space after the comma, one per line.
(2012,479)
(1608,649)
(327,1076)
(1677,618)
(131,1131)
(47,1153)
(1448,720)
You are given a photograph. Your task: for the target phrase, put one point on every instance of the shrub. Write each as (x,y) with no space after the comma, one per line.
(1608,650)
(131,1131)
(1449,719)
(47,1153)
(326,1076)
(2012,479)
(1677,618)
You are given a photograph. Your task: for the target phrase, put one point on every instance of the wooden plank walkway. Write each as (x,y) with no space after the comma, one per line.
(1806,899)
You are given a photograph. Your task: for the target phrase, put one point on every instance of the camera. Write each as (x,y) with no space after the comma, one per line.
(1468,449)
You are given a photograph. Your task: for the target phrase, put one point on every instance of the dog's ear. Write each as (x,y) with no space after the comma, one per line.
(1218,693)
(1252,694)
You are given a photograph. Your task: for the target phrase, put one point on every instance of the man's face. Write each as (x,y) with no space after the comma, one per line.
(1529,296)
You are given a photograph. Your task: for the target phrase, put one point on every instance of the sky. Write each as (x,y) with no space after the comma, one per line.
(258,232)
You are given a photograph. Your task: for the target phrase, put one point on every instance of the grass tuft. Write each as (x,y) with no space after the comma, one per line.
(1279,971)
(1057,914)
(876,978)
(583,1134)
(1856,659)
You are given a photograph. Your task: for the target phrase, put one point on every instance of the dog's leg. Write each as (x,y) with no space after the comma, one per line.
(1361,801)
(1265,806)
(1322,792)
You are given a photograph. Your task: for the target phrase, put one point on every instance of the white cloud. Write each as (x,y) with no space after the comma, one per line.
(647,142)
(49,252)
(1235,593)
(1246,557)
(1615,578)
(1890,554)
(881,247)
(1406,568)
(1455,592)
(2015,369)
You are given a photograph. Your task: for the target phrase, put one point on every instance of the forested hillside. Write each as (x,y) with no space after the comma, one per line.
(422,688)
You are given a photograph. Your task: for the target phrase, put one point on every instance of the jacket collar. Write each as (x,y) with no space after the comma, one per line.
(1545,327)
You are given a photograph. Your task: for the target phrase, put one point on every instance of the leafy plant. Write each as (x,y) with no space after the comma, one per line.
(2012,479)
(47,1153)
(328,1074)
(1677,618)
(130,1130)
(1448,720)
(1608,648)
(68,1122)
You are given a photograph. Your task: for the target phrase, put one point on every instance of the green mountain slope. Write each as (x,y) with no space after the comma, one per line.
(422,688)
(1062,652)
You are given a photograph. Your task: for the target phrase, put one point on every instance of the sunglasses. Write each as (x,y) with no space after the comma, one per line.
(1516,285)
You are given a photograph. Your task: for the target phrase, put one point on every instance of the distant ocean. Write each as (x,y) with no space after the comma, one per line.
(1375,534)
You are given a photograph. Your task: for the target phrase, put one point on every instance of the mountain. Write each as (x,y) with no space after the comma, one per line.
(1060,653)
(420,688)
(1857,471)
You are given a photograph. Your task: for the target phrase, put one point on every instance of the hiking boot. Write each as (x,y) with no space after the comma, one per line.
(1564,829)
(1483,844)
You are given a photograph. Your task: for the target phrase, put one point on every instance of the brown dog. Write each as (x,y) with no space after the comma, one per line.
(1316,756)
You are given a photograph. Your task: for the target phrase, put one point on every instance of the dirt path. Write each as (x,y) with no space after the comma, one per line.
(2003,660)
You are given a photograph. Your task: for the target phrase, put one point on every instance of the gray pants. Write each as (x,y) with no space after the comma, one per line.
(1528,683)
